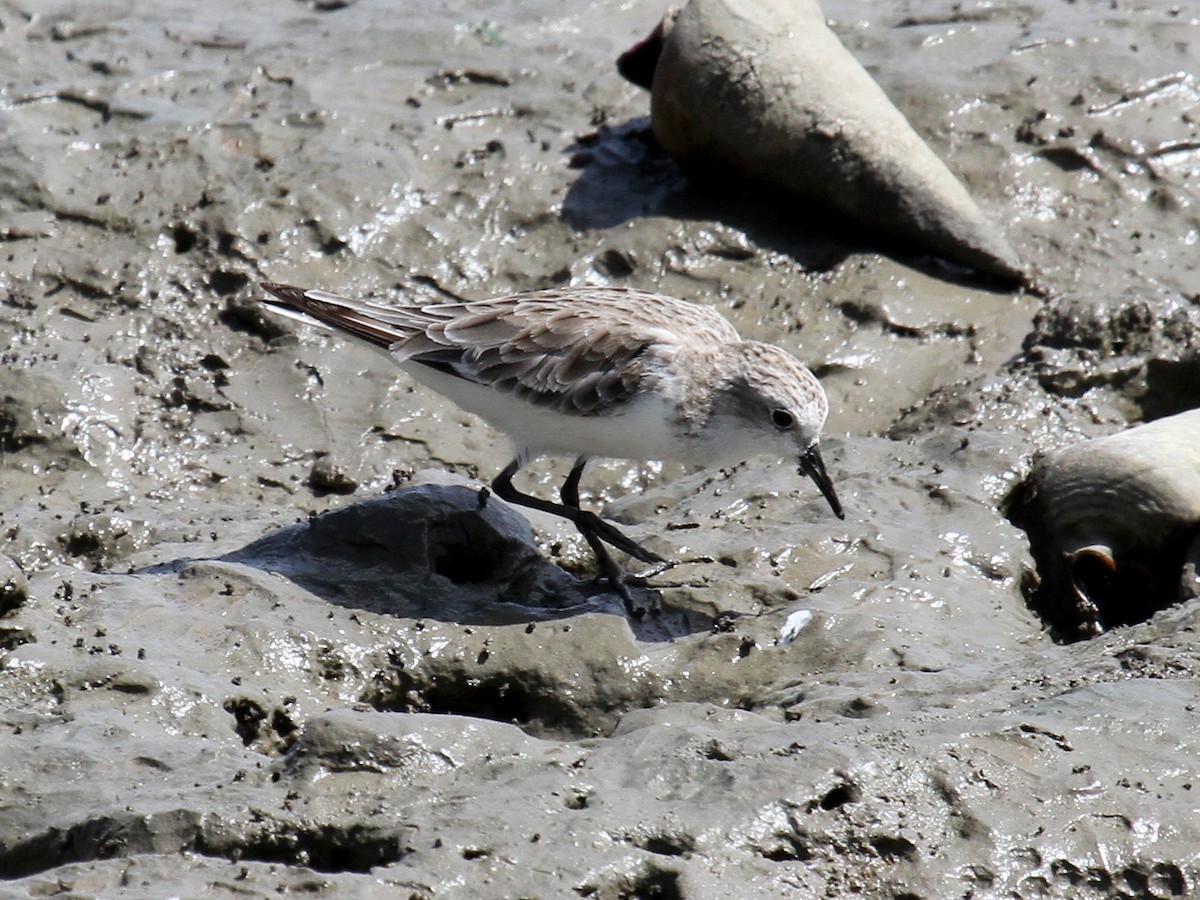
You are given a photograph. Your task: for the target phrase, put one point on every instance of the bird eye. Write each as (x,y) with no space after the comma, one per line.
(782,418)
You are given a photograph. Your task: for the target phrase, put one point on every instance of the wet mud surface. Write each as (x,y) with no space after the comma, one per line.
(257,635)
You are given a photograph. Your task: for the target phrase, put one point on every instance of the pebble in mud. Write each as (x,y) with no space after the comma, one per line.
(327,477)
(1112,522)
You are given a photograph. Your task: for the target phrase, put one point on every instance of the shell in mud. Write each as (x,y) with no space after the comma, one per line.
(764,89)
(1113,524)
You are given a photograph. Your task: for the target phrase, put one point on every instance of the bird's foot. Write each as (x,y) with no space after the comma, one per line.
(613,578)
(651,602)
(597,527)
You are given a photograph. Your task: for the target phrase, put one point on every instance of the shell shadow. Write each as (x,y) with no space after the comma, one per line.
(435,551)
(624,174)
(1172,386)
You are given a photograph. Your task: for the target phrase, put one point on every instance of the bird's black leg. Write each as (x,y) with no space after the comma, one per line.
(586,521)
(609,568)
(570,489)
(570,496)
(594,529)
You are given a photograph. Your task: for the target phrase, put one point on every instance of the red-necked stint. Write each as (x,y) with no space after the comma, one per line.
(595,372)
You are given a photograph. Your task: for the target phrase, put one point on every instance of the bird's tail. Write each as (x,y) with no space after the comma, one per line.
(365,321)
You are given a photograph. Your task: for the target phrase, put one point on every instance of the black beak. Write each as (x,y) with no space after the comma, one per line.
(813,466)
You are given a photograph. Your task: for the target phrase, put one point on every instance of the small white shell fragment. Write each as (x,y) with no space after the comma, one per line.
(794,624)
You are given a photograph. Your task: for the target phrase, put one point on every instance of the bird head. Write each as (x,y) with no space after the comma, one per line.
(781,408)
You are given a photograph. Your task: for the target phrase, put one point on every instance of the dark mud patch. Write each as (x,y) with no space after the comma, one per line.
(324,847)
(1145,352)
(565,681)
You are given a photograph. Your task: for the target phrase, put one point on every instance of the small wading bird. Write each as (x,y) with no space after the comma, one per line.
(595,372)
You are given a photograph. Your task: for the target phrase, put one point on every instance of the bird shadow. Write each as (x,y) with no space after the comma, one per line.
(436,551)
(624,174)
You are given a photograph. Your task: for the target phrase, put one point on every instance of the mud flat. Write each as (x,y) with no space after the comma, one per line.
(256,636)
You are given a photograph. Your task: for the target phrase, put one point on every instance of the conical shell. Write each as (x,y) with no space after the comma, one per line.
(763,89)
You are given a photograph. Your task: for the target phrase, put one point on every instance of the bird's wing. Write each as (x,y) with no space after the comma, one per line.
(574,350)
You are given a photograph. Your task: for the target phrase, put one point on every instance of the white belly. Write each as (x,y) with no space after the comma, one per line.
(642,430)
